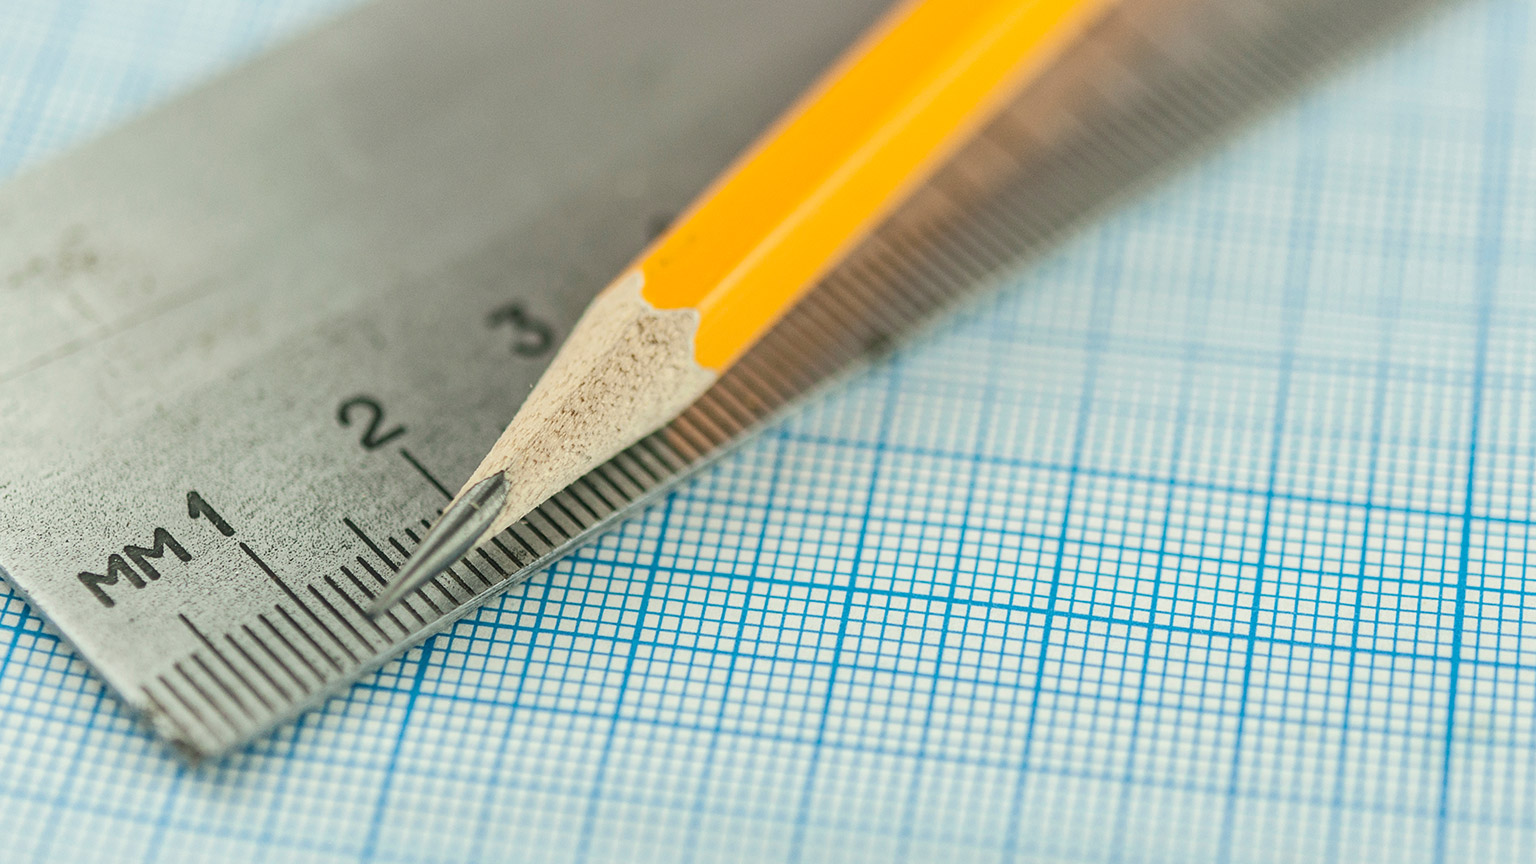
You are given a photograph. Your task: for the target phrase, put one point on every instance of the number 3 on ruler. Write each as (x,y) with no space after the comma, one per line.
(530,335)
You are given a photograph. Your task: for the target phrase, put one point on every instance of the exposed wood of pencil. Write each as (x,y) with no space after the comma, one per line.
(876,125)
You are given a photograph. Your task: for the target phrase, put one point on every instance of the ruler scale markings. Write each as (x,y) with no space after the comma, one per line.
(837,305)
(347,520)
(682,438)
(406,603)
(569,502)
(646,456)
(261,673)
(219,685)
(435,583)
(361,586)
(425,473)
(303,607)
(544,526)
(582,494)
(644,470)
(600,497)
(508,551)
(869,272)
(421,594)
(1153,129)
(416,541)
(716,427)
(475,571)
(988,242)
(878,278)
(766,380)
(851,302)
(757,391)
(320,679)
(677,436)
(748,403)
(261,682)
(313,642)
(485,554)
(902,288)
(499,558)
(239,676)
(159,712)
(1008,209)
(196,714)
(594,482)
(876,301)
(1177,124)
(825,314)
(260,668)
(336,613)
(924,275)
(531,539)
(177,712)
(966,270)
(459,580)
(559,513)
(281,663)
(617,471)
(1012,138)
(664,454)
(721,410)
(372,621)
(916,260)
(468,565)
(787,378)
(207,699)
(1004,229)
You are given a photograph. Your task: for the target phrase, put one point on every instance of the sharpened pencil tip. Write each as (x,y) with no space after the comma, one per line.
(454,535)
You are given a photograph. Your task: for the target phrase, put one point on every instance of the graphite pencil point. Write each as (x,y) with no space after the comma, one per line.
(458,531)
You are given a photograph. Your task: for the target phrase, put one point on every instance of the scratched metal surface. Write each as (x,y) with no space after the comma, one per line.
(193,298)
(673,710)
(216,632)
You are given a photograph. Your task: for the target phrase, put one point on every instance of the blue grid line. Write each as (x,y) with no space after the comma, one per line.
(259,833)
(701,791)
(1110,473)
(1298,261)
(1106,264)
(909,820)
(421,656)
(43,77)
(1194,604)
(1502,73)
(1196,322)
(479,853)
(584,848)
(893,380)
(1403,150)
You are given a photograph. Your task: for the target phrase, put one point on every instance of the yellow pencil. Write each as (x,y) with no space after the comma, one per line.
(874,127)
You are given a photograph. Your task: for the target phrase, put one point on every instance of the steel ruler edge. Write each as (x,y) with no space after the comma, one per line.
(216,632)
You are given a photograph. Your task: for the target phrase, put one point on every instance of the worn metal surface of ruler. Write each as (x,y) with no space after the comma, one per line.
(248,342)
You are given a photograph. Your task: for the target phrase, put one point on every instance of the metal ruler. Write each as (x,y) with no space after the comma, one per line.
(251,341)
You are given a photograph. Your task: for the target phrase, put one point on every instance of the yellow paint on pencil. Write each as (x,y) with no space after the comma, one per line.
(925,78)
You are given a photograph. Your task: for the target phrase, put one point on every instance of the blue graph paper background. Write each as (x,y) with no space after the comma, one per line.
(1207,541)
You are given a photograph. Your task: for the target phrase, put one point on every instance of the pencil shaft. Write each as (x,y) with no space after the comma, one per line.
(873,128)
(919,84)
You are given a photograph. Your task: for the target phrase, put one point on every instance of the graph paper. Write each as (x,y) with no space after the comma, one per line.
(1204,541)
